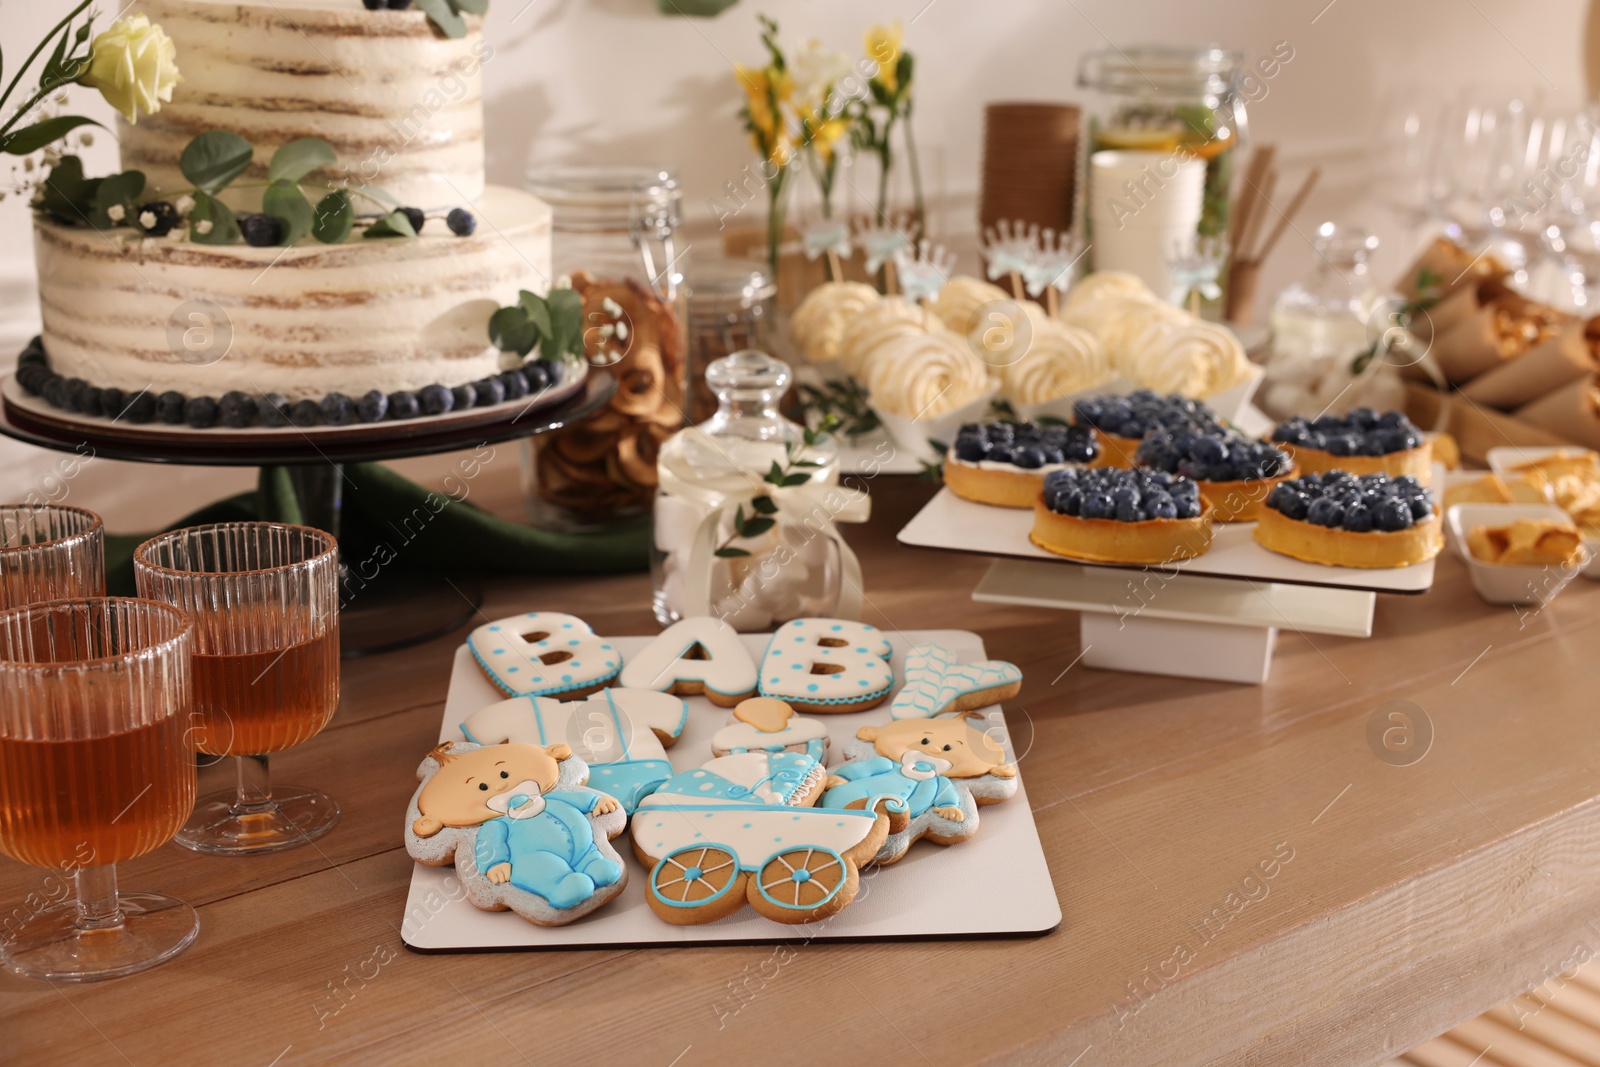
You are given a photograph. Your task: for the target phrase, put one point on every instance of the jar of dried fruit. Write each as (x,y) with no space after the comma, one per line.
(614,236)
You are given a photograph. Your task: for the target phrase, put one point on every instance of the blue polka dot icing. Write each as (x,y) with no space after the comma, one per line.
(509,651)
(836,657)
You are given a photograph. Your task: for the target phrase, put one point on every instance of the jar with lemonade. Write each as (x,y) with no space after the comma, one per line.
(1185,101)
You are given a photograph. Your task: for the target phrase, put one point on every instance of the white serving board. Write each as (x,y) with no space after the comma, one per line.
(952,523)
(997,883)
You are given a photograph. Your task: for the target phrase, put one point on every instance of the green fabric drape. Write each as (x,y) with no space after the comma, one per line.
(391,518)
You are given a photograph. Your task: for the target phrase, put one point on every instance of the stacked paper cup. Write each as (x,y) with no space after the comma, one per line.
(1143,211)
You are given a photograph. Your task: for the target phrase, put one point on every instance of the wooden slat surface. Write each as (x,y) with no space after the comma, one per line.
(1416,897)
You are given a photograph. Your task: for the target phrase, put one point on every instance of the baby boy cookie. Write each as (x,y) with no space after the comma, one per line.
(742,830)
(520,827)
(765,724)
(544,653)
(693,656)
(827,665)
(621,734)
(937,684)
(937,770)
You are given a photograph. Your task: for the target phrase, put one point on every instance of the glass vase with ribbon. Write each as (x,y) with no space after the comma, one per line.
(747,510)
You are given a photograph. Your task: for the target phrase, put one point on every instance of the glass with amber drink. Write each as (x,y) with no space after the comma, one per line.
(264,598)
(50,552)
(96,767)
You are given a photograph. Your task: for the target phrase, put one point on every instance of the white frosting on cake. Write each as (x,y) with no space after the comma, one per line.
(400,103)
(307,320)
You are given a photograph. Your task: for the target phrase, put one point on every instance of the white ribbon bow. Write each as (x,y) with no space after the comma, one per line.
(824,503)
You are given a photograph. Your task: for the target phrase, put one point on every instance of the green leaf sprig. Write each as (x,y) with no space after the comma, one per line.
(552,323)
(844,401)
(449,15)
(794,470)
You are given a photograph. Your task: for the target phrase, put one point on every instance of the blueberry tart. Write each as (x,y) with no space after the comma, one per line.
(1112,515)
(1362,442)
(1348,520)
(1234,472)
(1120,422)
(1005,463)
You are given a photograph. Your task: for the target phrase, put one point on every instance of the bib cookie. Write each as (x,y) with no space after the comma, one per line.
(692,656)
(519,825)
(827,665)
(765,724)
(544,653)
(937,684)
(621,734)
(742,830)
(929,775)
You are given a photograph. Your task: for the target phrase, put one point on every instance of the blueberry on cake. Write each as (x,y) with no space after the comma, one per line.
(1114,515)
(1348,520)
(1234,472)
(1005,463)
(1121,422)
(1362,442)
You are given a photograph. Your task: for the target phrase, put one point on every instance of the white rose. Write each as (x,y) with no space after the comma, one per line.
(134,65)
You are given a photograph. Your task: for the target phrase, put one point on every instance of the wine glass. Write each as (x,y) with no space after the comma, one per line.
(50,552)
(264,599)
(95,768)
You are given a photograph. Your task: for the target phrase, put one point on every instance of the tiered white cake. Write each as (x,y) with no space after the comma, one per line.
(402,106)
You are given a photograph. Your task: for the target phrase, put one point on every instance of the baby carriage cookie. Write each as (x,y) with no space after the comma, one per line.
(741,830)
(940,769)
(621,734)
(523,832)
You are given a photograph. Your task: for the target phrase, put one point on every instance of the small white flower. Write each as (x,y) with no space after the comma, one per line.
(147,219)
(116,212)
(203,226)
(184,204)
(815,69)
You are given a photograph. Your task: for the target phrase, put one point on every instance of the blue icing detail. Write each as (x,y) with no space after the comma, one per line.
(812,688)
(837,627)
(572,643)
(495,629)
(803,875)
(499,652)
(774,681)
(747,825)
(512,670)
(566,626)
(564,677)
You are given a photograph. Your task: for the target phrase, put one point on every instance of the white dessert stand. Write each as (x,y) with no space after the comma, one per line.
(1216,616)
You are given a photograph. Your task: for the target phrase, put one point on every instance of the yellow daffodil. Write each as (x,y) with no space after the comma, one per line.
(883,48)
(135,66)
(826,134)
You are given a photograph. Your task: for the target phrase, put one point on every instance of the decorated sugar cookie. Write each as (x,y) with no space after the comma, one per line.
(937,684)
(827,665)
(765,724)
(619,733)
(544,653)
(693,656)
(519,825)
(940,769)
(742,830)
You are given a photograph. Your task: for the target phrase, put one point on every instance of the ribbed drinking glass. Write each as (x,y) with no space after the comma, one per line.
(264,598)
(96,767)
(50,552)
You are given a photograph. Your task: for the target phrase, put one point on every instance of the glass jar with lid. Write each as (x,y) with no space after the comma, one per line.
(730,309)
(746,511)
(1328,333)
(1185,101)
(614,237)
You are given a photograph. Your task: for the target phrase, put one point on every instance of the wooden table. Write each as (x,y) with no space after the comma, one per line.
(1244,879)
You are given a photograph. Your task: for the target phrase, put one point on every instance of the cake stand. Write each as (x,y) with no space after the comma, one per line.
(1215,616)
(393,611)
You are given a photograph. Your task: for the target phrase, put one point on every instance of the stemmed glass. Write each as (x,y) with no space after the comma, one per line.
(264,599)
(95,768)
(48,552)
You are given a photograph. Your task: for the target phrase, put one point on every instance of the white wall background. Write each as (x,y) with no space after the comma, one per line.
(614,81)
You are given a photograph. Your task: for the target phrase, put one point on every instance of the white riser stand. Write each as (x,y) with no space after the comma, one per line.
(1156,621)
